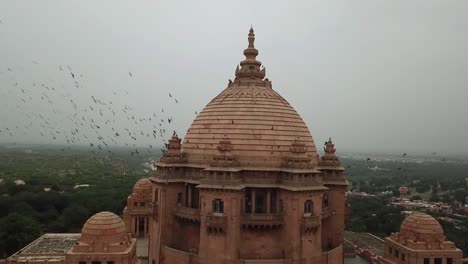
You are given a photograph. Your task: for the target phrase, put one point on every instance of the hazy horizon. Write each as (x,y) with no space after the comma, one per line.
(376,76)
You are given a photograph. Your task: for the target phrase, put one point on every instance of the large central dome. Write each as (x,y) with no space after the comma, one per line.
(259,127)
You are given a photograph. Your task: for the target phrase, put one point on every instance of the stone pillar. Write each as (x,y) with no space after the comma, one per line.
(146,226)
(189,196)
(137,226)
(252,205)
(134,225)
(268,202)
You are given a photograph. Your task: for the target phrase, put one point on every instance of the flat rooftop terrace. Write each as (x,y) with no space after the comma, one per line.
(52,247)
(366,241)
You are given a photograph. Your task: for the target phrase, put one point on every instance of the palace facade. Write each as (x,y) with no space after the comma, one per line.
(246,185)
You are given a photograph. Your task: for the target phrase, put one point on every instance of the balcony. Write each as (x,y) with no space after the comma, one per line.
(326,212)
(216,222)
(261,221)
(310,223)
(187,214)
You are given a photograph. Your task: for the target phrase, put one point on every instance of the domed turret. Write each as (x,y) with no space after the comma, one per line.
(104,227)
(104,236)
(421,227)
(142,186)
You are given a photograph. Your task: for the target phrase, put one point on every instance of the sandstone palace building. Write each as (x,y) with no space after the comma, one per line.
(246,185)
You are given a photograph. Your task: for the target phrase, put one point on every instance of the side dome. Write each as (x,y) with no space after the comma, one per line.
(253,122)
(104,227)
(142,186)
(421,227)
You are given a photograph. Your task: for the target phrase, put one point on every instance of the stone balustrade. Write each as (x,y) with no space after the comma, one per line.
(310,223)
(326,212)
(261,220)
(187,214)
(216,222)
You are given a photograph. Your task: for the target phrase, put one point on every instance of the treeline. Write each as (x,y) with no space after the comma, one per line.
(438,177)
(27,211)
(373,215)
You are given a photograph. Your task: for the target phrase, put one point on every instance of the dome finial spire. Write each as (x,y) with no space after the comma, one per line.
(251,37)
(251,67)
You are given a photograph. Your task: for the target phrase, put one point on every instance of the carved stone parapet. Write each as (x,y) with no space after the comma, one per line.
(310,223)
(261,221)
(187,214)
(216,222)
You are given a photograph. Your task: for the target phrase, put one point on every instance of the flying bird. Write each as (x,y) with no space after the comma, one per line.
(129,73)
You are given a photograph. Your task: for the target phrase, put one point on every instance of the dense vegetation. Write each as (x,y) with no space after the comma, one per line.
(26,211)
(437,181)
(434,181)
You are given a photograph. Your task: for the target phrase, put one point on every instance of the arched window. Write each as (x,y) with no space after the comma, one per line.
(308,208)
(325,200)
(218,206)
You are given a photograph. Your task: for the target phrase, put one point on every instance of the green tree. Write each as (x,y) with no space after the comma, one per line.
(17,231)
(74,217)
(460,195)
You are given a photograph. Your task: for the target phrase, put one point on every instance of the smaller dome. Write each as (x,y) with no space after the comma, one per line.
(421,227)
(143,185)
(104,227)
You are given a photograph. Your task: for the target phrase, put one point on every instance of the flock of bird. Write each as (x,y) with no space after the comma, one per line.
(95,122)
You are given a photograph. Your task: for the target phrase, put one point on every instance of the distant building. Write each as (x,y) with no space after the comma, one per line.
(421,240)
(404,192)
(19,182)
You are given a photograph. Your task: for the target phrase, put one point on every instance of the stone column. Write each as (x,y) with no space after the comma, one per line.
(189,196)
(137,226)
(146,226)
(268,202)
(252,205)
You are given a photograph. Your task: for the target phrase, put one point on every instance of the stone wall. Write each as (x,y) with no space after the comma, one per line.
(265,244)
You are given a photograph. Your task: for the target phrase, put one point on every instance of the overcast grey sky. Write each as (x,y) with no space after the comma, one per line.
(374,75)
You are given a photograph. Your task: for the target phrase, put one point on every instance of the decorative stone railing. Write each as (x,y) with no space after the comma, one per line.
(229,182)
(301,180)
(261,220)
(310,223)
(187,214)
(296,183)
(180,175)
(216,222)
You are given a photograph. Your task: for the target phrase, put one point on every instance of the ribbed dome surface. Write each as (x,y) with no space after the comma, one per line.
(142,185)
(421,227)
(104,227)
(259,123)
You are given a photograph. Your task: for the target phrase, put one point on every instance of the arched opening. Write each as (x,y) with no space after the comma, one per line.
(308,208)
